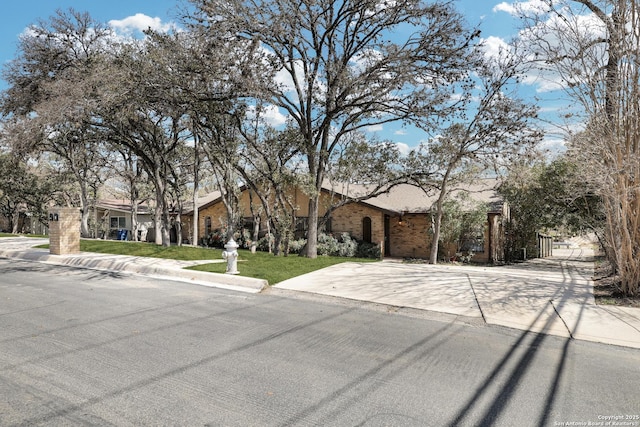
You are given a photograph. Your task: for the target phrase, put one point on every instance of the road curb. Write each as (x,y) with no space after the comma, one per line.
(106,262)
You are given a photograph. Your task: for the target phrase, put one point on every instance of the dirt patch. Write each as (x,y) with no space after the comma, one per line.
(606,287)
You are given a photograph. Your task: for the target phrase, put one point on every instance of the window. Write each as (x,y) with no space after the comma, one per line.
(366,229)
(207,225)
(475,245)
(118,222)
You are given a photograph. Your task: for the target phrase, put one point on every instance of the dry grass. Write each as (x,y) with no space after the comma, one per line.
(606,287)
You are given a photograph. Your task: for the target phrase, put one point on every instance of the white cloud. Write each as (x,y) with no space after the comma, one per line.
(270,115)
(553,146)
(544,82)
(374,128)
(516,8)
(273,116)
(139,23)
(403,148)
(505,7)
(284,80)
(365,59)
(495,47)
(562,35)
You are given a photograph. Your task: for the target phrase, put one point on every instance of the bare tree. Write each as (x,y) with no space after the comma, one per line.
(494,129)
(205,73)
(128,170)
(270,170)
(340,70)
(51,86)
(593,49)
(361,168)
(219,139)
(140,109)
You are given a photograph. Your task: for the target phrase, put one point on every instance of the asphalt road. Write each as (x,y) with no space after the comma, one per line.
(80,347)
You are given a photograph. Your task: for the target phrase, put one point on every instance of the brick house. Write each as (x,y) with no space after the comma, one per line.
(399,221)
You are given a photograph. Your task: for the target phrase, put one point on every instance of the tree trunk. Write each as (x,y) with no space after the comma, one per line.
(161,219)
(166,227)
(196,183)
(15,222)
(134,221)
(256,234)
(84,212)
(194,239)
(277,241)
(433,256)
(179,229)
(231,222)
(157,223)
(312,232)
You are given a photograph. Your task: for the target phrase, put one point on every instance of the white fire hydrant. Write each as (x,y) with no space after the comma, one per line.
(231,256)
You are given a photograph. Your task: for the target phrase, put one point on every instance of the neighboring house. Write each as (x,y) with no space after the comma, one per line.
(24,222)
(398,221)
(114,216)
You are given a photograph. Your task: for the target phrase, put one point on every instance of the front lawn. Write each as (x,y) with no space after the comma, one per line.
(263,265)
(180,253)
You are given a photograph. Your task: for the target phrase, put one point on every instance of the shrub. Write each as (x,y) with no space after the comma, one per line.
(343,245)
(368,250)
(347,246)
(295,246)
(263,243)
(243,238)
(329,245)
(215,239)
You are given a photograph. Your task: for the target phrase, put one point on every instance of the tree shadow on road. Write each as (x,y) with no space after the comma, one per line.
(507,390)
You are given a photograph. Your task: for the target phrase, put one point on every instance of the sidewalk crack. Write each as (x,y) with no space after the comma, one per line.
(476,298)
(563,322)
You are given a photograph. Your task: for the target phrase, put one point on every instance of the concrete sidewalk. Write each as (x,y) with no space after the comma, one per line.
(23,248)
(551,296)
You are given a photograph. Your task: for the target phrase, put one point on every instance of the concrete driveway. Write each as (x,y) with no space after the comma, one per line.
(552,295)
(419,286)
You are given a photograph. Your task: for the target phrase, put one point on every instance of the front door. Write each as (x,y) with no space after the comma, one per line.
(387,238)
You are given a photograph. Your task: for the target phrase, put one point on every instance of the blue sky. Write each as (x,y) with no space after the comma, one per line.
(133,15)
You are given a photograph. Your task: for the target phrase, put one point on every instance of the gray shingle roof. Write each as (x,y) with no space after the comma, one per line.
(121,206)
(403,198)
(407,198)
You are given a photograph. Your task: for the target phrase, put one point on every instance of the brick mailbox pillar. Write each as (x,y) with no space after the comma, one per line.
(64,231)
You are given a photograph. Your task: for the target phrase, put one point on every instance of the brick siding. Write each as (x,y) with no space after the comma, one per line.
(64,234)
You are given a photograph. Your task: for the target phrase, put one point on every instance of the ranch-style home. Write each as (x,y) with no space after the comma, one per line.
(399,221)
(115,222)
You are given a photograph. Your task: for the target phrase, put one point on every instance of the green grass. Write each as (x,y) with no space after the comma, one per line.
(180,253)
(262,265)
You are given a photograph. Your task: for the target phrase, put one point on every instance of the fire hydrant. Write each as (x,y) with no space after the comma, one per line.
(231,256)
